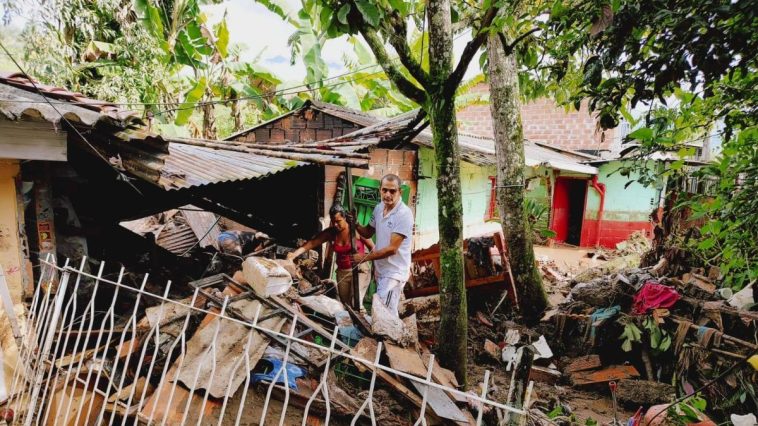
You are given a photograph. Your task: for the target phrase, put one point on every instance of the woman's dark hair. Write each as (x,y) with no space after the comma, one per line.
(337,208)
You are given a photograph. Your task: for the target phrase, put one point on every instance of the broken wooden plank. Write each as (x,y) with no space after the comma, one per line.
(583,363)
(409,361)
(544,375)
(614,372)
(405,360)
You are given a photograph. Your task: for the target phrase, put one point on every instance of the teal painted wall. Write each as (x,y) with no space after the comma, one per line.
(632,203)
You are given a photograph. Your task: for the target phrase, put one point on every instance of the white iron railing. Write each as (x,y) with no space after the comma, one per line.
(77,364)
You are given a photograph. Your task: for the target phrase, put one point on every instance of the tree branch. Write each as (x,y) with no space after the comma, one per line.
(398,40)
(469,51)
(508,48)
(405,86)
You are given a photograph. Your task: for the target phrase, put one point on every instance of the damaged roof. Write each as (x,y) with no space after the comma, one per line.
(132,147)
(354,116)
(178,230)
(479,150)
(189,166)
(19,99)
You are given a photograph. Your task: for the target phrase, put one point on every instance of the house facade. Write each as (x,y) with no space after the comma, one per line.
(587,204)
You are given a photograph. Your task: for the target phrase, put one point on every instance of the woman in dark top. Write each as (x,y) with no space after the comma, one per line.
(339,236)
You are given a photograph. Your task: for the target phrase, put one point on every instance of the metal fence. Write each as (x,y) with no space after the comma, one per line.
(85,359)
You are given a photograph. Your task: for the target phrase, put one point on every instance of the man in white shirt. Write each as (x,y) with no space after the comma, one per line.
(392,221)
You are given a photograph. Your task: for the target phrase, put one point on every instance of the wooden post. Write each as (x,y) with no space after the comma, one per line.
(520,382)
(43,207)
(350,205)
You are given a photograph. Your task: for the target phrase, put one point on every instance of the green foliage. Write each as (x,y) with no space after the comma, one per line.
(660,339)
(687,411)
(727,238)
(630,335)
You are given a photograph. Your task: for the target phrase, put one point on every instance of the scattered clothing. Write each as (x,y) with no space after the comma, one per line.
(599,316)
(652,296)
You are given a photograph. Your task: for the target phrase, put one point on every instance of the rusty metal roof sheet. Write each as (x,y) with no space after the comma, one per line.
(19,99)
(189,166)
(352,115)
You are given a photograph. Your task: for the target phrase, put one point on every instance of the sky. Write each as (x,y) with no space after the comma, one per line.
(258,30)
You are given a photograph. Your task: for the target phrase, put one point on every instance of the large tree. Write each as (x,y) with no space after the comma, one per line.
(509,149)
(433,87)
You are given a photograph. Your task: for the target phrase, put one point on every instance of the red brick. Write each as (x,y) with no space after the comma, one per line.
(277,135)
(317,122)
(262,135)
(297,122)
(322,134)
(307,135)
(395,157)
(292,135)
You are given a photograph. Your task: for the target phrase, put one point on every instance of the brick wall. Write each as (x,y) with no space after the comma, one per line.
(543,121)
(303,126)
(382,162)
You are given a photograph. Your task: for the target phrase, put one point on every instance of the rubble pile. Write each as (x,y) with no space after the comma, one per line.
(206,363)
(635,332)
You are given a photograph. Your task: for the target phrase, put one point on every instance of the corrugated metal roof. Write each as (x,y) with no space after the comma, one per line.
(19,99)
(178,230)
(474,149)
(352,115)
(188,166)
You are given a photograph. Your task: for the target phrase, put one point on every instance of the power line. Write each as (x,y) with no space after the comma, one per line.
(284,91)
(121,175)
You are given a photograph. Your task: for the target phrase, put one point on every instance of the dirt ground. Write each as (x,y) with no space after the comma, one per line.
(568,258)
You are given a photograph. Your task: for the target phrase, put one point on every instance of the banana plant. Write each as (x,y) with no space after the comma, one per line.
(217,77)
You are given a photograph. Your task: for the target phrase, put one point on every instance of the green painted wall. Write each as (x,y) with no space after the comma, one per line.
(475,186)
(632,203)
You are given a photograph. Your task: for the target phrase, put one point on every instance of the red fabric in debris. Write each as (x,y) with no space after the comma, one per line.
(653,296)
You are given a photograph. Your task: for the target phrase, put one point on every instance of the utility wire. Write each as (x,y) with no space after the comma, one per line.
(284,91)
(121,175)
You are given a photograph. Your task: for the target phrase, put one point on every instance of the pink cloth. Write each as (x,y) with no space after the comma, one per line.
(653,296)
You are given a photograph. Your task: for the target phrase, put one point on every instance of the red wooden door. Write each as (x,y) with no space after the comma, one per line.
(560,211)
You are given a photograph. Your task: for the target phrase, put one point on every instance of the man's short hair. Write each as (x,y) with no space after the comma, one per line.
(393,178)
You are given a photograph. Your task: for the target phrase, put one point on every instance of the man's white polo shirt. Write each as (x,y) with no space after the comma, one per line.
(398,221)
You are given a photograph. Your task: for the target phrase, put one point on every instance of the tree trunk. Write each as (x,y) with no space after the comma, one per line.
(509,150)
(453,332)
(209,117)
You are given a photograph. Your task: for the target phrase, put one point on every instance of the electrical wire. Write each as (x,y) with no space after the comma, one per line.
(121,175)
(285,91)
